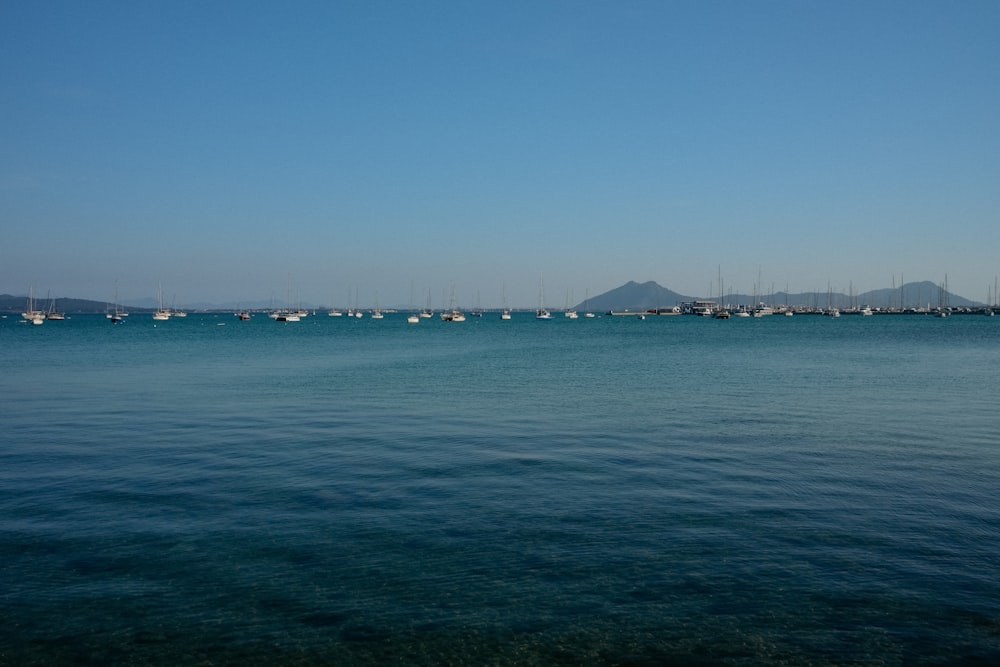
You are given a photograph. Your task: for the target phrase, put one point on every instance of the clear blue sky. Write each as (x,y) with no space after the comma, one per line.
(243,150)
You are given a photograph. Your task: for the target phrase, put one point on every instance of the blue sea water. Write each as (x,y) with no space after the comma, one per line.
(614,491)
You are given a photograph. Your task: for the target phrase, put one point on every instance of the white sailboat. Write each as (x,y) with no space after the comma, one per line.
(30,314)
(505,313)
(570,313)
(161,312)
(428,311)
(454,314)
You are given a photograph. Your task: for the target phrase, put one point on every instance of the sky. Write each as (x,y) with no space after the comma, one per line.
(308,152)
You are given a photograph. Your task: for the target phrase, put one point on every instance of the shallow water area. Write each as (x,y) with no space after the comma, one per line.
(674,490)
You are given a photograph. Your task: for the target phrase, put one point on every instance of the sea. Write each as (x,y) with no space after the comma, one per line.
(609,491)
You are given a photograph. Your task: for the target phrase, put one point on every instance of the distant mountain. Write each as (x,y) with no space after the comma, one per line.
(634,296)
(915,295)
(630,296)
(16,304)
(644,296)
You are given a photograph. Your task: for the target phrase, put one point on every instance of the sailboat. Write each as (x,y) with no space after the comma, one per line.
(586,306)
(542,313)
(569,312)
(116,315)
(831,310)
(721,313)
(505,313)
(428,311)
(454,314)
(52,313)
(174,311)
(477,311)
(30,314)
(161,312)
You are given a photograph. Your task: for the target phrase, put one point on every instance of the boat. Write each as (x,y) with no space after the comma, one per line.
(286,315)
(542,313)
(763,310)
(413,319)
(505,314)
(720,312)
(161,312)
(114,312)
(453,314)
(586,306)
(477,311)
(569,313)
(243,315)
(116,316)
(52,314)
(427,312)
(30,314)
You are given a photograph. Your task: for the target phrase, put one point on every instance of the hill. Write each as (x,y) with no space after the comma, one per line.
(634,296)
(17,304)
(645,296)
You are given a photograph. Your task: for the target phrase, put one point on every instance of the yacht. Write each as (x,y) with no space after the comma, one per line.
(52,313)
(31,314)
(542,313)
(161,312)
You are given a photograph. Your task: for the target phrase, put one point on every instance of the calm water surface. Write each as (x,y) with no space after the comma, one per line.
(609,491)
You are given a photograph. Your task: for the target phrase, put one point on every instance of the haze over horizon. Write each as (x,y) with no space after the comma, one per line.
(231,152)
